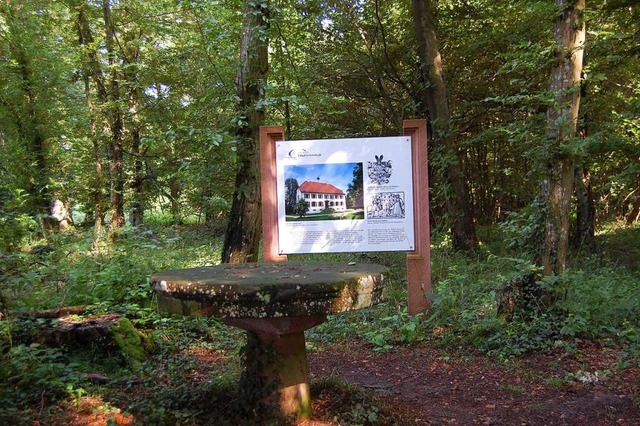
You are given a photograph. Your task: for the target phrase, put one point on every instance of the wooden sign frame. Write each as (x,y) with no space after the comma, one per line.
(418,260)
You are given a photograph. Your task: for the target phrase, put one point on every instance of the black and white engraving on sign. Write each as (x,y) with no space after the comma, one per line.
(380,171)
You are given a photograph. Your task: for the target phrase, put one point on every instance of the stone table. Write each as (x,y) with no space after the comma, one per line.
(275,303)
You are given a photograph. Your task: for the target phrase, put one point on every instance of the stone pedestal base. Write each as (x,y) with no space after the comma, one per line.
(276,364)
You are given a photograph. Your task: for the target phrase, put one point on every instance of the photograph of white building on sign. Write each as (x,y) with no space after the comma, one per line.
(323,192)
(321,196)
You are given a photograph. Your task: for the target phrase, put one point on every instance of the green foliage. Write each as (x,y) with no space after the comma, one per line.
(522,229)
(33,374)
(398,329)
(115,277)
(16,226)
(594,299)
(300,208)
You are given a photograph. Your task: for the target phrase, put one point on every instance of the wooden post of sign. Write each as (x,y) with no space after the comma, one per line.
(269,135)
(419,260)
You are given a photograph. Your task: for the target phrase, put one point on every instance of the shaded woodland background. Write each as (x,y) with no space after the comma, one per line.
(128,145)
(118,109)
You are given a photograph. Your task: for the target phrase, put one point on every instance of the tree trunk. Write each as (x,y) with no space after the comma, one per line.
(92,70)
(115,146)
(243,233)
(585,209)
(137,206)
(174,195)
(134,92)
(633,215)
(562,116)
(584,234)
(457,192)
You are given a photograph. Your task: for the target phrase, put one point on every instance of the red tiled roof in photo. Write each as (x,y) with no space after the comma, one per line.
(319,188)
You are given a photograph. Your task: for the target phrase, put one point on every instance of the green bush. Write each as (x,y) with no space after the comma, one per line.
(596,298)
(33,374)
(16,227)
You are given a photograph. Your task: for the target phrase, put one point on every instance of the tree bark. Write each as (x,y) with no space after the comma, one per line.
(115,146)
(633,215)
(457,194)
(134,94)
(585,209)
(562,117)
(243,232)
(137,205)
(92,70)
(584,234)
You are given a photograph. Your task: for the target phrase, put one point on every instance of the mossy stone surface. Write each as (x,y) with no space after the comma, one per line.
(269,290)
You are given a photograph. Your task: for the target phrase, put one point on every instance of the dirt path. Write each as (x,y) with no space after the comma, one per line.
(411,385)
(423,385)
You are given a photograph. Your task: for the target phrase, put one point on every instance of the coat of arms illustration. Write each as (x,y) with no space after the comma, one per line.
(380,171)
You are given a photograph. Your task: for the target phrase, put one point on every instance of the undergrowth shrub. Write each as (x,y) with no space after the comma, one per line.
(33,374)
(397,329)
(597,297)
(113,278)
(16,227)
(601,302)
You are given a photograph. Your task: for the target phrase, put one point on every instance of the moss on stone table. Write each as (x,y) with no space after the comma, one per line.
(269,290)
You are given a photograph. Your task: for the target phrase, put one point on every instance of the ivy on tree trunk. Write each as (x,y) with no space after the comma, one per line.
(562,118)
(242,237)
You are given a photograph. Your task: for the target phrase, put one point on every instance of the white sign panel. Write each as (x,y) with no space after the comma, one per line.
(345,195)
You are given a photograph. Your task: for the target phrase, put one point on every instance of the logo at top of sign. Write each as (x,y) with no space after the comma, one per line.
(301,152)
(295,153)
(380,171)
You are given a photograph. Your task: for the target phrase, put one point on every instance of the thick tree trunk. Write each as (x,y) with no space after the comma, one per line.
(243,233)
(457,192)
(562,117)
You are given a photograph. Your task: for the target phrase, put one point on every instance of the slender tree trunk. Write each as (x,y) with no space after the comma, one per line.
(585,209)
(115,146)
(584,234)
(137,206)
(174,193)
(243,233)
(562,117)
(134,95)
(633,215)
(457,194)
(92,70)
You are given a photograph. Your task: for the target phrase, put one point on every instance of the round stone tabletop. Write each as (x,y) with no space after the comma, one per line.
(269,290)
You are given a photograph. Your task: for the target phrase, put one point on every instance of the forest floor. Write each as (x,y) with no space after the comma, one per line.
(422,385)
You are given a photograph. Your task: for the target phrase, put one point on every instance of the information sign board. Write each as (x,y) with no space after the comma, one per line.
(345,195)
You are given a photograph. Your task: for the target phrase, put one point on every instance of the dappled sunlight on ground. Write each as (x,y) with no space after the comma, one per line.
(89,411)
